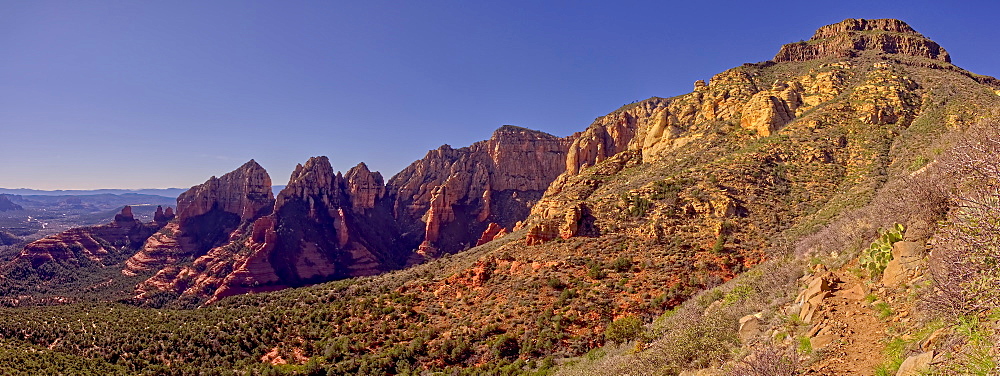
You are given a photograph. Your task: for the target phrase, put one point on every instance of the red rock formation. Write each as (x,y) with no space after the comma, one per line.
(849,37)
(161,248)
(94,243)
(541,233)
(440,213)
(449,192)
(125,215)
(364,187)
(162,216)
(324,226)
(571,222)
(245,192)
(207,216)
(493,231)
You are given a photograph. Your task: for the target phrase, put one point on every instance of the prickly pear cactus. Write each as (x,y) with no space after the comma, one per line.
(878,255)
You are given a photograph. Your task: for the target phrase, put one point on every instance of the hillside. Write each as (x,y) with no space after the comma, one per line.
(644,244)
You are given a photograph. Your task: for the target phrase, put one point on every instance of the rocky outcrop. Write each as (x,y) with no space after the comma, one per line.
(125,215)
(207,216)
(161,248)
(445,200)
(493,231)
(851,36)
(365,188)
(323,226)
(163,216)
(90,244)
(612,133)
(886,97)
(766,114)
(541,233)
(245,192)
(660,126)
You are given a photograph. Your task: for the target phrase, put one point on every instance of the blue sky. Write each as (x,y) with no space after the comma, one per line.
(153,94)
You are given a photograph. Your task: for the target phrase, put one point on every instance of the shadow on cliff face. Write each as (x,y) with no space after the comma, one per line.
(209,230)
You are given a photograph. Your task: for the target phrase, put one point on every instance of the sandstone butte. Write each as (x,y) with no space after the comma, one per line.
(230,235)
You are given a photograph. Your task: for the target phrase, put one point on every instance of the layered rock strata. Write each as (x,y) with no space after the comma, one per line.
(323,226)
(847,38)
(93,244)
(444,201)
(207,216)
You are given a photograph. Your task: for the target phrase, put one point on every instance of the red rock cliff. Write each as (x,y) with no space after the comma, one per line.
(447,199)
(245,192)
(206,217)
(323,226)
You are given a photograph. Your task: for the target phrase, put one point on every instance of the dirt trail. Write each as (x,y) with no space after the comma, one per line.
(846,331)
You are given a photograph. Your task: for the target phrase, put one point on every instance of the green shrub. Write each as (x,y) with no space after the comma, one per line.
(623,330)
(596,271)
(506,347)
(556,283)
(805,346)
(637,206)
(622,264)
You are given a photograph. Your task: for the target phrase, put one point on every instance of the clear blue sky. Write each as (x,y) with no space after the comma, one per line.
(152,94)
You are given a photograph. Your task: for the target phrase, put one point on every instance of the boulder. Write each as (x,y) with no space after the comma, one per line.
(750,327)
(915,364)
(906,257)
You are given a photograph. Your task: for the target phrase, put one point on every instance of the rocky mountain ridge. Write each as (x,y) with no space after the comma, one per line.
(324,226)
(232,235)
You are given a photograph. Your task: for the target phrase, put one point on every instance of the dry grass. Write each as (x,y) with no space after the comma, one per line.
(700,332)
(767,360)
(965,264)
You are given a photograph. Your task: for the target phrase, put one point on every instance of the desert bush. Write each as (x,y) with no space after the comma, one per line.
(767,360)
(966,263)
(702,331)
(623,329)
(917,201)
(622,264)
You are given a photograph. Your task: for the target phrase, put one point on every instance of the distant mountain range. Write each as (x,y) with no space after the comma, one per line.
(167,192)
